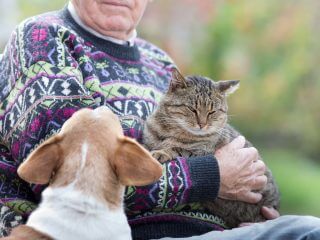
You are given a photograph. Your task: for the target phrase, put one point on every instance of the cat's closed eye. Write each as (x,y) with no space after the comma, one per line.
(192,110)
(212,112)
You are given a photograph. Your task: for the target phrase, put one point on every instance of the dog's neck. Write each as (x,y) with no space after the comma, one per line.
(66,213)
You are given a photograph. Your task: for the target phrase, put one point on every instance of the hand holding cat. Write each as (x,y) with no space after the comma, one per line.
(267,212)
(241,172)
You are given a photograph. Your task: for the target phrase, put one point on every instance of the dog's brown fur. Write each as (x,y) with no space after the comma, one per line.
(26,233)
(112,160)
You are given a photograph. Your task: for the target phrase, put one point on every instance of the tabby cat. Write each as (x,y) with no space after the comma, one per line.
(191,120)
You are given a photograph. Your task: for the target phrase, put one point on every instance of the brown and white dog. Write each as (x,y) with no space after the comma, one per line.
(87,166)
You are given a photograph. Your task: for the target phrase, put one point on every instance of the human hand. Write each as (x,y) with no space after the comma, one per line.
(240,172)
(269,213)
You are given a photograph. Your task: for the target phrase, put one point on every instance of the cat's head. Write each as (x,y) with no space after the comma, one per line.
(197,104)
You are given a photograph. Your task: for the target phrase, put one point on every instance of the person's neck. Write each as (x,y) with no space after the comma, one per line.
(130,40)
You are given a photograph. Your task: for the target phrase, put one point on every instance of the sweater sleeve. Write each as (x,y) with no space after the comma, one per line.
(184,181)
(40,88)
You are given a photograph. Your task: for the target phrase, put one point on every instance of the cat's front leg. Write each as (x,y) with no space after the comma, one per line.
(164,155)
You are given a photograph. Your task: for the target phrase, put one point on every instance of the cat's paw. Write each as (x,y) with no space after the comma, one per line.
(161,155)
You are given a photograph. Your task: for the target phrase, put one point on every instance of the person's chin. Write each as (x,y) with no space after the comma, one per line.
(116,24)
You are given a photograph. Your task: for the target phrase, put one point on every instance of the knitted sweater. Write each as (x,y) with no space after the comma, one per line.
(51,68)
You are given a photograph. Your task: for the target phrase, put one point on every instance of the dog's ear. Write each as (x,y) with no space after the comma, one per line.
(134,165)
(41,163)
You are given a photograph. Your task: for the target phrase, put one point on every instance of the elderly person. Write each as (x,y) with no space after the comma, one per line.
(88,55)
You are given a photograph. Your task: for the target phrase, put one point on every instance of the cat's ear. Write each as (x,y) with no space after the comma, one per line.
(228,87)
(177,80)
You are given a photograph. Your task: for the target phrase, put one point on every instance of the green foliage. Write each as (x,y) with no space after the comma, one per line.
(35,7)
(298,179)
(269,46)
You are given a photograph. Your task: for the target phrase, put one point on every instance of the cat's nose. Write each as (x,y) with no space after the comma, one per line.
(202,125)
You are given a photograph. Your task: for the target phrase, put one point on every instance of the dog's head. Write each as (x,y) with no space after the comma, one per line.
(91,152)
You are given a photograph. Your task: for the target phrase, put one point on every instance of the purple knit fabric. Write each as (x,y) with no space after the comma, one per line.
(51,68)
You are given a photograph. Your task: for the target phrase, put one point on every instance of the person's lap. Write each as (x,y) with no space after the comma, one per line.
(282,228)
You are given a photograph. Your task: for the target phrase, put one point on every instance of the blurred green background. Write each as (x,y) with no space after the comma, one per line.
(271,46)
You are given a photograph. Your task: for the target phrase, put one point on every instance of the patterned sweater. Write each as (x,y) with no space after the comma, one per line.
(50,68)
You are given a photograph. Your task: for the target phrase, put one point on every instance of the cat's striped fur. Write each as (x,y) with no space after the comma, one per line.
(191,120)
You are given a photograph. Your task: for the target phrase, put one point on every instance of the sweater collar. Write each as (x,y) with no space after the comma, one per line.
(116,50)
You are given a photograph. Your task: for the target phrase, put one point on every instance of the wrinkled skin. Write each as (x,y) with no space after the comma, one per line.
(114,18)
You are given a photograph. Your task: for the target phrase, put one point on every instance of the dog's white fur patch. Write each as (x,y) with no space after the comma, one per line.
(84,152)
(67,214)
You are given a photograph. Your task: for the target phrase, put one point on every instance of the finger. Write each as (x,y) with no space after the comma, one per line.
(259,167)
(250,154)
(245,224)
(250,197)
(259,182)
(237,143)
(269,213)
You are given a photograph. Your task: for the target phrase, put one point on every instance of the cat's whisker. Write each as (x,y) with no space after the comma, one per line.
(231,115)
(223,132)
(167,120)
